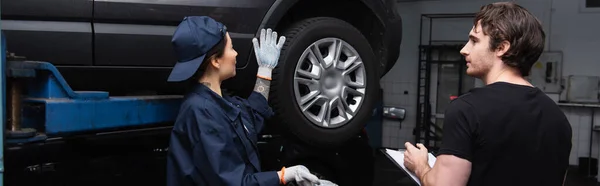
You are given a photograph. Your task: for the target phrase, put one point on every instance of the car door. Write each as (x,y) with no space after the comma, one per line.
(138,32)
(56,31)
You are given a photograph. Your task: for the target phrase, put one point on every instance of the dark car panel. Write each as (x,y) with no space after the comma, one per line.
(48,10)
(59,30)
(276,12)
(45,41)
(138,32)
(393,35)
(133,45)
(147,45)
(242,16)
(385,13)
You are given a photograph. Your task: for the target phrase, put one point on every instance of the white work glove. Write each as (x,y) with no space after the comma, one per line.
(326,183)
(301,175)
(267,53)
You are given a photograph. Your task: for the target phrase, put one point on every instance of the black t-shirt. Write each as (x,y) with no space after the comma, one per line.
(512,134)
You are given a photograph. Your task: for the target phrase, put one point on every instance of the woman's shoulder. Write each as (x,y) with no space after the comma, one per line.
(199,106)
(203,106)
(195,102)
(202,109)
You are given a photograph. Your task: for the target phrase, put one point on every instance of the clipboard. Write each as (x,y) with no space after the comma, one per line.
(397,156)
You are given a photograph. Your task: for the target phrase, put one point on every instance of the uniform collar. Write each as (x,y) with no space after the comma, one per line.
(231,110)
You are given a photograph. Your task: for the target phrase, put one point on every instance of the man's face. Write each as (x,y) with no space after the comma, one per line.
(478,55)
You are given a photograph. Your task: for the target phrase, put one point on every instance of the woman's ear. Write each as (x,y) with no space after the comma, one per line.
(215,62)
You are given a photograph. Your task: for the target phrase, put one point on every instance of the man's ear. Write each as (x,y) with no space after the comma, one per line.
(502,48)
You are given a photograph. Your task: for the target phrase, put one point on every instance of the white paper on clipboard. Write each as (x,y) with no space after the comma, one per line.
(398,157)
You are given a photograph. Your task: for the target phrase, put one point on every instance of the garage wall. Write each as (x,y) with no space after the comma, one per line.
(578,41)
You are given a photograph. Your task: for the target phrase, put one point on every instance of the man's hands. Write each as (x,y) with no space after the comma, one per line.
(267,52)
(415,159)
(448,169)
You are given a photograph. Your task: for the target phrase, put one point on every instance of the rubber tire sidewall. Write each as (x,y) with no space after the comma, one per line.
(299,37)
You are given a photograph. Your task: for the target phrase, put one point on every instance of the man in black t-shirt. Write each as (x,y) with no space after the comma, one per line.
(507,132)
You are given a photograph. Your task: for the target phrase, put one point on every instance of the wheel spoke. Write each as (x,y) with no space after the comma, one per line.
(315,70)
(322,101)
(346,106)
(339,105)
(352,57)
(352,68)
(353,84)
(319,99)
(312,75)
(336,50)
(349,62)
(309,96)
(314,58)
(320,59)
(325,114)
(350,91)
(313,87)
(311,83)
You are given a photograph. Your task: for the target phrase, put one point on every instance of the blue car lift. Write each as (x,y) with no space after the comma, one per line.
(42,105)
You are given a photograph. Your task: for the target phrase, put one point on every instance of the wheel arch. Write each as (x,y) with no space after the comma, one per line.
(283,13)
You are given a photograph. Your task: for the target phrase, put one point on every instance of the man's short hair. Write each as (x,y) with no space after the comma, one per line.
(507,21)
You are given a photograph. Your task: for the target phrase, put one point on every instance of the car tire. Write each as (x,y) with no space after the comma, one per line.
(287,89)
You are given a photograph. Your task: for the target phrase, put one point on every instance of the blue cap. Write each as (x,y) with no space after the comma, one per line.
(192,39)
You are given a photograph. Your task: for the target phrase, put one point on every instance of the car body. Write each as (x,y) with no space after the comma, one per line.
(124,47)
(114,44)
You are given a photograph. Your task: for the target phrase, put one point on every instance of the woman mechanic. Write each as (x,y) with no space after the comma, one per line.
(213,142)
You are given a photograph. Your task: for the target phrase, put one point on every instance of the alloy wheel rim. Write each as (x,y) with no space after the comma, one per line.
(330,82)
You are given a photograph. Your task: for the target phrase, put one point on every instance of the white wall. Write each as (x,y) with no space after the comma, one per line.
(575,33)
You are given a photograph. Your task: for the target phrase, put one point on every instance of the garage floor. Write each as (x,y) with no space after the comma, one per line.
(386,173)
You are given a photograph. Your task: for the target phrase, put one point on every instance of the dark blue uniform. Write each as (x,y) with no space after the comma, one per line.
(213,142)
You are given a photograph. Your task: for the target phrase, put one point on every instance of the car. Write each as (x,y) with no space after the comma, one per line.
(124,47)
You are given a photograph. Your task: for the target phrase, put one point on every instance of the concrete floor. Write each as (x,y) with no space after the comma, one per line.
(386,173)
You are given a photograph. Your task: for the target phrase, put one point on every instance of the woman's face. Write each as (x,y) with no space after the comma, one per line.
(228,60)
